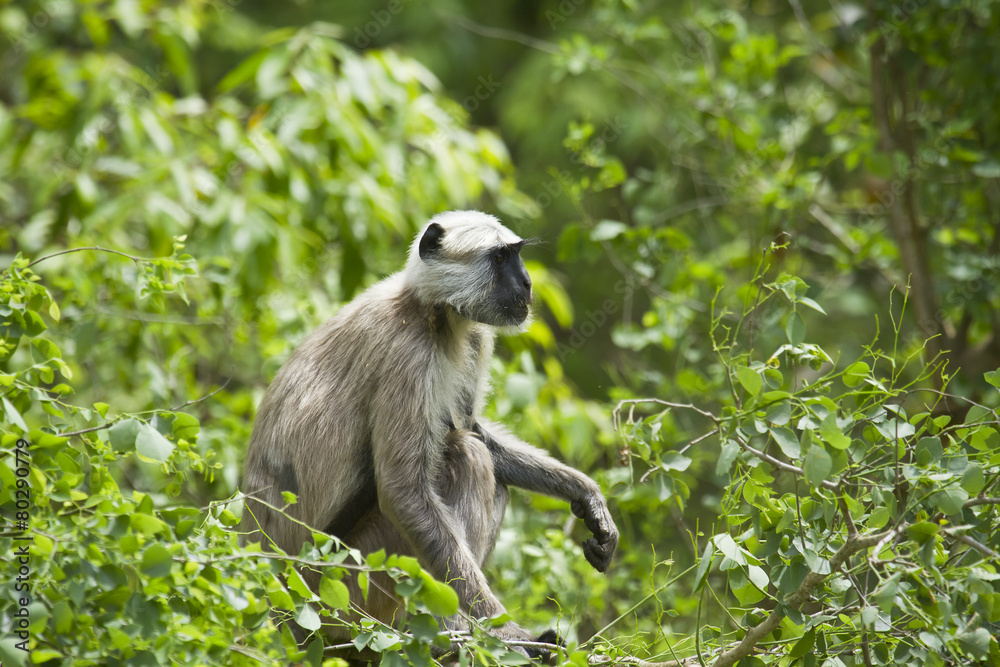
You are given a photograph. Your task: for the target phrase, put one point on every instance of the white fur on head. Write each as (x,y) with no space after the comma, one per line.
(466,232)
(459,274)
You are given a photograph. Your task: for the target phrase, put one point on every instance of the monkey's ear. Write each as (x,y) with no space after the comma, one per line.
(430,242)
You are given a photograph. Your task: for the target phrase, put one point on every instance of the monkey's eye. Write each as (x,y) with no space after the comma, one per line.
(499,258)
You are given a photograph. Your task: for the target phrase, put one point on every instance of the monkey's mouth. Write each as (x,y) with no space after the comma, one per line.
(519,311)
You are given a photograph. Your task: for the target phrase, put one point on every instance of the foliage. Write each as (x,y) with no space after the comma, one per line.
(852,532)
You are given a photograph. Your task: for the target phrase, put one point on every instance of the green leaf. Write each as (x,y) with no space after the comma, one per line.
(102,409)
(922,531)
(804,644)
(750,379)
(856,373)
(879,517)
(988,169)
(334,593)
(830,432)
(817,465)
(295,582)
(10,654)
(156,561)
(795,329)
(146,524)
(151,445)
(788,442)
(729,548)
(242,72)
(281,599)
(123,435)
(185,426)
(308,618)
(314,652)
(993,377)
(34,325)
(747,594)
(605,230)
(806,301)
(973,480)
(13,415)
(675,461)
(976,642)
(728,453)
(704,565)
(928,451)
(950,500)
(441,599)
(885,597)
(779,414)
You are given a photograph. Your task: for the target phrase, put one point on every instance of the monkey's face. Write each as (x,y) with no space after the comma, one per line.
(475,270)
(504,294)
(511,287)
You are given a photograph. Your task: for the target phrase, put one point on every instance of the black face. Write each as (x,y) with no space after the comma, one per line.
(513,284)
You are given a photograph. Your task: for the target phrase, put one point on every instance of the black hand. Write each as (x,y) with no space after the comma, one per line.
(598,549)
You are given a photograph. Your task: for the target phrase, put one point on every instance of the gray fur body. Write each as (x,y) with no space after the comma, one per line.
(374,423)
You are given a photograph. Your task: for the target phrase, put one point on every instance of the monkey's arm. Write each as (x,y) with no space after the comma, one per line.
(516,463)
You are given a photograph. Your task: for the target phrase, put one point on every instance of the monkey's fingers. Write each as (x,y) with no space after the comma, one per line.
(599,554)
(550,636)
(595,516)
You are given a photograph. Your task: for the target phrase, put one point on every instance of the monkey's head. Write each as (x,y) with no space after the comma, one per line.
(470,262)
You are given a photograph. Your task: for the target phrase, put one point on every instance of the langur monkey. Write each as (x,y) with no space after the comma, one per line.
(374,423)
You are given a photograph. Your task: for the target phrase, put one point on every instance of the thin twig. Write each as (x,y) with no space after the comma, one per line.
(105,425)
(92,247)
(658,401)
(975,544)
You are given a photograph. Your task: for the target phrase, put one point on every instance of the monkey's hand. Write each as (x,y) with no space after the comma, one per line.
(594,512)
(513,632)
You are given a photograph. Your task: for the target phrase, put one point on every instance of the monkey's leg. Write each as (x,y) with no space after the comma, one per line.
(467,486)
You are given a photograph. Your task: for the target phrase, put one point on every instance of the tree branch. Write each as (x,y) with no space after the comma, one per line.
(975,544)
(972,502)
